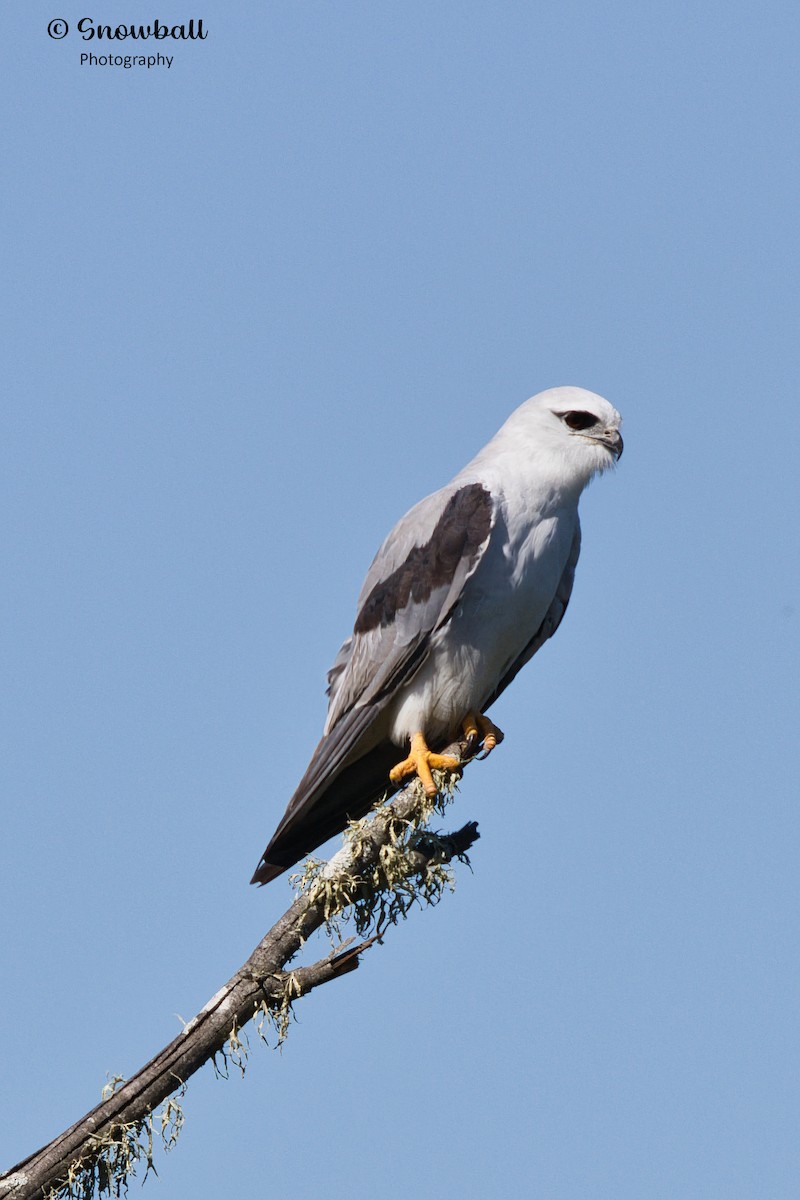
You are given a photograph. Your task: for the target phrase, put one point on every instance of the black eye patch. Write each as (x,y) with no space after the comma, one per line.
(579,420)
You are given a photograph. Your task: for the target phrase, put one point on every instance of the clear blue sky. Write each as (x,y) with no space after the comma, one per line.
(256,305)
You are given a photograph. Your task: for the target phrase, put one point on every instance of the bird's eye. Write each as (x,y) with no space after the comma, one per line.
(579,420)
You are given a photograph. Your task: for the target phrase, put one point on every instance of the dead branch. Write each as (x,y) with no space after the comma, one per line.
(388,862)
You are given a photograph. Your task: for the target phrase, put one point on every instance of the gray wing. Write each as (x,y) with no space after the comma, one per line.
(411,589)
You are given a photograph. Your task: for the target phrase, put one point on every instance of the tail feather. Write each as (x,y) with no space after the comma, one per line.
(347,774)
(321,810)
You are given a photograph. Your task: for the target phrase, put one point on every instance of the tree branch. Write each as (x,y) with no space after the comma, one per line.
(388,862)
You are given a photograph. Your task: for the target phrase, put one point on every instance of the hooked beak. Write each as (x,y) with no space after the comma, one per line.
(612,439)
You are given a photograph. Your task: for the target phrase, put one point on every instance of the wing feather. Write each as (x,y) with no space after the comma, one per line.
(415,581)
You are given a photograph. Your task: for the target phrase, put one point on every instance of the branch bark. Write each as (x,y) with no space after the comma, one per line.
(262,984)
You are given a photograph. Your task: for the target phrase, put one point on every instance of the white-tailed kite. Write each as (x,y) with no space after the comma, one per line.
(463,592)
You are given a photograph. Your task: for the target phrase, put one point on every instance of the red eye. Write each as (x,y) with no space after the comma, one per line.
(579,420)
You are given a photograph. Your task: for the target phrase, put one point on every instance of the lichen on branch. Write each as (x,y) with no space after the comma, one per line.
(389,862)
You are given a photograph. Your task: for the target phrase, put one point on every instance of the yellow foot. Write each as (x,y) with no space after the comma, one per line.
(478,728)
(420,762)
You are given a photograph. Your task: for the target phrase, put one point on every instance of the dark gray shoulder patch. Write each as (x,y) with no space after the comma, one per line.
(460,532)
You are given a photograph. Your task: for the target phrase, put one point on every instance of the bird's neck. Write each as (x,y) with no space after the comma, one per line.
(542,478)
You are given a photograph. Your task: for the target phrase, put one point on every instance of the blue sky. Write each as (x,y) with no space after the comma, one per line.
(258,304)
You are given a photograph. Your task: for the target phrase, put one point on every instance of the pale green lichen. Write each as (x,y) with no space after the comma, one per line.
(379,896)
(385,890)
(276,1010)
(115,1155)
(233,1054)
(273,1012)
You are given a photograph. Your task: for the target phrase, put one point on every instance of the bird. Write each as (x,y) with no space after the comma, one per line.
(466,588)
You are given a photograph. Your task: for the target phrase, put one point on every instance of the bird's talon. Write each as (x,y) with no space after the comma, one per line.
(471,734)
(421,762)
(477,727)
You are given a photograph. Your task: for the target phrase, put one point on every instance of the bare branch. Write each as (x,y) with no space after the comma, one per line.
(388,862)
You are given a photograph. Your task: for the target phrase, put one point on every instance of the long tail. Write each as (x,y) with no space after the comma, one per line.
(333,791)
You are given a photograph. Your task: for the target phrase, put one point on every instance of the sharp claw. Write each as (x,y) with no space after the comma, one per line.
(420,762)
(477,728)
(489,743)
(471,735)
(402,770)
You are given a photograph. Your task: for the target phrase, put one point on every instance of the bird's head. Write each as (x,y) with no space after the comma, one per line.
(577,429)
